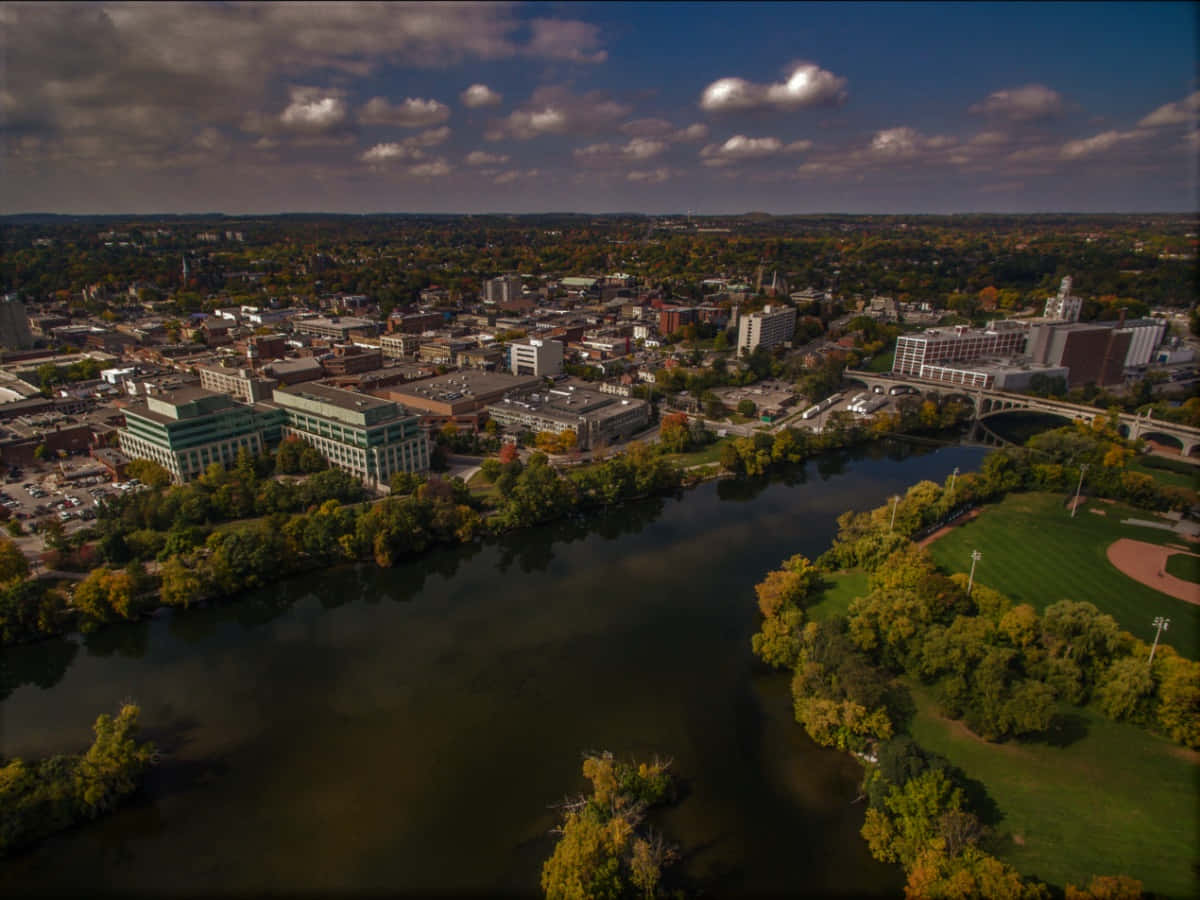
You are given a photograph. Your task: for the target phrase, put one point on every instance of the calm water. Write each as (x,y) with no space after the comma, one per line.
(409,730)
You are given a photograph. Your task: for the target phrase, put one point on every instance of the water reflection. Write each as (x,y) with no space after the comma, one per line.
(367,730)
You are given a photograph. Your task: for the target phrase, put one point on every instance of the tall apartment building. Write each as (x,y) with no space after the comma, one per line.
(504,289)
(14,325)
(535,356)
(363,435)
(241,384)
(1064,306)
(773,326)
(189,429)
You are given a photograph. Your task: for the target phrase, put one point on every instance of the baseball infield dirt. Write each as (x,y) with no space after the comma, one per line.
(1147,563)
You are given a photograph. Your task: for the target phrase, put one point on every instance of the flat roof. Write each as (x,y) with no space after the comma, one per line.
(477,382)
(335,396)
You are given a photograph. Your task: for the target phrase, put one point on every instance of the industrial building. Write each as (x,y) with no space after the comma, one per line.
(597,419)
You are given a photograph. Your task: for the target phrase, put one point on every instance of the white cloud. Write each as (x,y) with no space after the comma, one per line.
(697,131)
(482,158)
(314,110)
(739,147)
(643,148)
(479,95)
(390,151)
(555,110)
(895,141)
(436,168)
(806,85)
(1028,103)
(410,149)
(566,39)
(430,138)
(1181,112)
(411,112)
(514,175)
(1097,143)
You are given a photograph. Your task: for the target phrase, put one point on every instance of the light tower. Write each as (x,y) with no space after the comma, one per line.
(1162,624)
(976,556)
(1083,467)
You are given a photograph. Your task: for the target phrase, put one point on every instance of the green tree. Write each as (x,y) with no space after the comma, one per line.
(13,564)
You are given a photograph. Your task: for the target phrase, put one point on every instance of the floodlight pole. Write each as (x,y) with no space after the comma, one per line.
(1162,624)
(1083,467)
(895,506)
(976,556)
(953,475)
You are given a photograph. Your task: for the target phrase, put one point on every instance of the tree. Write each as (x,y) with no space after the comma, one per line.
(673,433)
(149,473)
(1107,887)
(13,564)
(746,407)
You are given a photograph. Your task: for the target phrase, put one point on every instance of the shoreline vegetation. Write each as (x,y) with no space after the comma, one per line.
(999,671)
(44,797)
(238,529)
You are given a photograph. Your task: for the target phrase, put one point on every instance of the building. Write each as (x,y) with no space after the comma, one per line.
(241,384)
(188,430)
(927,354)
(349,359)
(458,397)
(399,345)
(1145,336)
(535,356)
(1064,306)
(294,371)
(598,419)
(1094,353)
(14,325)
(773,326)
(414,323)
(370,438)
(339,328)
(504,289)
(672,318)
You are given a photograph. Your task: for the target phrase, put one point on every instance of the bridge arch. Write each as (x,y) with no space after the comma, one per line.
(1166,441)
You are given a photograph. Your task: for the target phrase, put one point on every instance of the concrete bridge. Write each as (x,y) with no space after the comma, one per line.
(989,403)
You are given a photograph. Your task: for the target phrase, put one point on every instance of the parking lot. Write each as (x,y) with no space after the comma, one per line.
(33,496)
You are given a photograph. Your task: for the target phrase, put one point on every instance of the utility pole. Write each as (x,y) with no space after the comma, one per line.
(1083,467)
(976,556)
(895,506)
(1162,624)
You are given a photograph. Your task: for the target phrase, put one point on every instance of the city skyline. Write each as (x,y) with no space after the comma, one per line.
(716,108)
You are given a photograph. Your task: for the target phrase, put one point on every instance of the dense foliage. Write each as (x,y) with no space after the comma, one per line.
(604,848)
(40,798)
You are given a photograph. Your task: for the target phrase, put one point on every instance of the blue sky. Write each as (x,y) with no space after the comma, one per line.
(788,108)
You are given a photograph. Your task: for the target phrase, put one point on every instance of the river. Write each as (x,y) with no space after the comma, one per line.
(409,730)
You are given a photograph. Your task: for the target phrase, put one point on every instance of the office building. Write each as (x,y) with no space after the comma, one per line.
(504,289)
(188,430)
(366,436)
(240,384)
(925,355)
(772,326)
(535,356)
(338,328)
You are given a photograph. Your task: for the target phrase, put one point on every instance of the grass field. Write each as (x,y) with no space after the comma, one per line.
(1158,470)
(840,590)
(881,362)
(1183,566)
(1034,552)
(1116,800)
(703,456)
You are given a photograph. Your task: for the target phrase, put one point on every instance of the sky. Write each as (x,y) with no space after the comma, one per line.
(713,108)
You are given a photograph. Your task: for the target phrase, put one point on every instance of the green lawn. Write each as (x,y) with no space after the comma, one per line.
(1117,800)
(1183,566)
(1035,553)
(1186,478)
(840,590)
(881,362)
(708,454)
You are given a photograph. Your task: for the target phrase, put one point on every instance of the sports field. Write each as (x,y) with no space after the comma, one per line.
(1100,798)
(1034,552)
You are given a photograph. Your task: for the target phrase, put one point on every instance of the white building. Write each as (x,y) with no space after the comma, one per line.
(774,325)
(535,356)
(1064,306)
